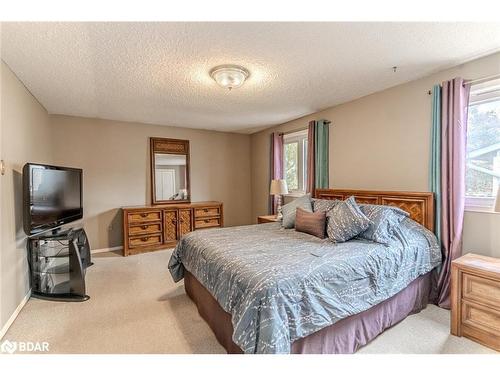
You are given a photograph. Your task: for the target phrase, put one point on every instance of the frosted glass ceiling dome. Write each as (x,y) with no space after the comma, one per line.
(229,76)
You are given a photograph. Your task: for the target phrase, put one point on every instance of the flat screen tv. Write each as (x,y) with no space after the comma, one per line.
(52,196)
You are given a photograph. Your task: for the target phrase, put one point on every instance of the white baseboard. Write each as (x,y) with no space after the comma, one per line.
(106,249)
(14,315)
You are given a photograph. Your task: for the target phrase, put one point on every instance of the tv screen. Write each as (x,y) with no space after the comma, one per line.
(52,196)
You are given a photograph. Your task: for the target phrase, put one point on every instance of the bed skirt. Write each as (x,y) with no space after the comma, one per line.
(343,337)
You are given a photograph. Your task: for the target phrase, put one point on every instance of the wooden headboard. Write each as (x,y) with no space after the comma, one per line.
(420,206)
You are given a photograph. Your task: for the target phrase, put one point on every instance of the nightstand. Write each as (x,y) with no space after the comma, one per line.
(266,219)
(475,299)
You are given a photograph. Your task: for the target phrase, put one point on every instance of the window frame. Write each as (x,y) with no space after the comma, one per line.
(482,93)
(300,137)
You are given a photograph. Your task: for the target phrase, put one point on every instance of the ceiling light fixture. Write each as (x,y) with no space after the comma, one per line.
(229,76)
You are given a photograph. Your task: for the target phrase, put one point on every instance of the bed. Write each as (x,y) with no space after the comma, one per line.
(265,289)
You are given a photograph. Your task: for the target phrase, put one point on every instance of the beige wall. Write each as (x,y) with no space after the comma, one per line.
(115,159)
(25,137)
(482,233)
(381,141)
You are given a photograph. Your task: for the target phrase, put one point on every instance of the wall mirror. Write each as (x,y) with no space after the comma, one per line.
(169,171)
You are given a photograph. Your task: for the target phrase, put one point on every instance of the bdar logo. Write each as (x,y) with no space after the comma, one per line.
(8,347)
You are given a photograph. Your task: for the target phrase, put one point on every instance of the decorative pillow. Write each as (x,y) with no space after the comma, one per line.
(289,210)
(384,220)
(346,221)
(310,222)
(323,204)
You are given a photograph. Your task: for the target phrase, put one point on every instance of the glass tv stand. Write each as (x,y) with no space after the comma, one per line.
(58,264)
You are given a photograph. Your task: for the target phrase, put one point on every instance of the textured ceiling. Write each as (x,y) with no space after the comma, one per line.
(158,72)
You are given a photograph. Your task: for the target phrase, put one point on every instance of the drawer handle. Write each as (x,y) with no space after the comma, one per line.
(144,215)
(207,221)
(144,239)
(144,227)
(174,221)
(205,209)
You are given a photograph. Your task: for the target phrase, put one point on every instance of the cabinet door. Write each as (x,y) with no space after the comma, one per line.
(170,218)
(185,221)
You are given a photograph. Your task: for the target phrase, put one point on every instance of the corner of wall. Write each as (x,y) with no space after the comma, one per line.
(25,137)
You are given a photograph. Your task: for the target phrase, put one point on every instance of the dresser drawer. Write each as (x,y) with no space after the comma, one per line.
(144,216)
(149,240)
(206,211)
(140,229)
(207,223)
(475,299)
(151,228)
(481,323)
(481,289)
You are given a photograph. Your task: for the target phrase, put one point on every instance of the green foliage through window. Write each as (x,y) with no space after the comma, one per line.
(291,156)
(483,160)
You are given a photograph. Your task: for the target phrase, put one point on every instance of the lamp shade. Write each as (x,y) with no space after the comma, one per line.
(278,187)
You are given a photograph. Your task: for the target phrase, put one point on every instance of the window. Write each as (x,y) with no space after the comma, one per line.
(482,175)
(295,161)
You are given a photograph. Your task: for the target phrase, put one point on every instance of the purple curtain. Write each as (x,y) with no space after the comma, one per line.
(276,166)
(311,172)
(454,108)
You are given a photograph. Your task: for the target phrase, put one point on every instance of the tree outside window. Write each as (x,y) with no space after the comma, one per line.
(295,161)
(482,174)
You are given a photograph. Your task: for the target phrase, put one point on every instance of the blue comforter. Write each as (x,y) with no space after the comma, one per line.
(280,285)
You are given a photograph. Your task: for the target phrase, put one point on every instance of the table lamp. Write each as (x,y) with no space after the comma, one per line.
(278,188)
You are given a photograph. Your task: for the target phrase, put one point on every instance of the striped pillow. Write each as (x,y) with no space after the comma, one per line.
(310,222)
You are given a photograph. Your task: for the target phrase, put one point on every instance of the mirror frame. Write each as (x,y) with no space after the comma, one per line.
(168,146)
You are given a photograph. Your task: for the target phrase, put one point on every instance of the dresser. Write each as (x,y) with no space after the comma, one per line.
(475,299)
(149,228)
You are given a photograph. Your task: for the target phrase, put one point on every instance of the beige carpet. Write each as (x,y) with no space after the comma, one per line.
(136,308)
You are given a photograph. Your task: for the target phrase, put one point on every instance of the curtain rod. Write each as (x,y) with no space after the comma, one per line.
(292,131)
(301,129)
(487,78)
(477,80)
